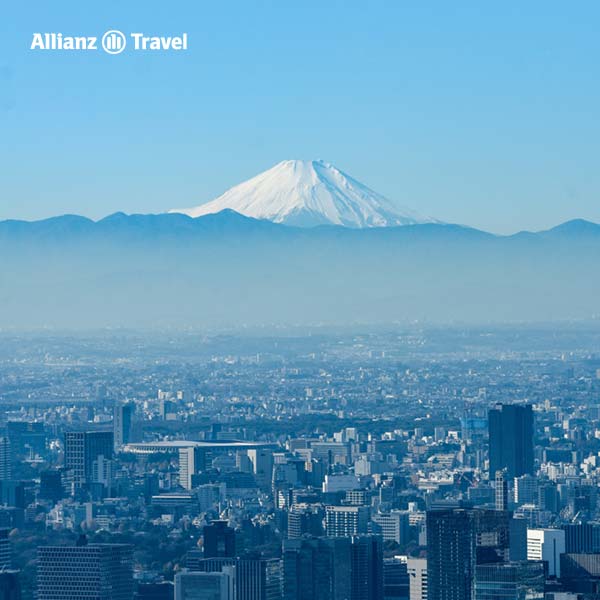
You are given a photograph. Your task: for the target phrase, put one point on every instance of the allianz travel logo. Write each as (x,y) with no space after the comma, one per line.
(112,41)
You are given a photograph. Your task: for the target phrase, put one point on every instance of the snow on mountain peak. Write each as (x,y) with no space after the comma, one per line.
(306,193)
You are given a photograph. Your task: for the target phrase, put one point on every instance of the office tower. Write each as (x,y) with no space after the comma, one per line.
(5,459)
(582,538)
(262,466)
(366,567)
(10,586)
(519,581)
(99,571)
(196,585)
(26,437)
(546,545)
(395,579)
(450,554)
(82,448)
(548,498)
(526,489)
(51,486)
(160,590)
(501,490)
(580,573)
(192,460)
(255,578)
(518,540)
(393,526)
(123,424)
(305,519)
(346,521)
(5,549)
(168,410)
(12,493)
(316,569)
(417,578)
(492,535)
(219,540)
(511,439)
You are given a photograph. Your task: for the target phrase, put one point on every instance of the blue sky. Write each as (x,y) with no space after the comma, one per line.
(478,113)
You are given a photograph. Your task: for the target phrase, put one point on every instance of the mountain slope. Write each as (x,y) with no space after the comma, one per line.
(306,194)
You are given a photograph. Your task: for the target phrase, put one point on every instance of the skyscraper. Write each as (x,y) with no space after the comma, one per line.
(197,585)
(511,439)
(255,578)
(345,521)
(305,519)
(5,459)
(501,490)
(316,569)
(82,448)
(10,586)
(450,554)
(5,549)
(262,465)
(546,545)
(99,571)
(395,579)
(499,581)
(366,567)
(123,423)
(417,578)
(192,460)
(219,540)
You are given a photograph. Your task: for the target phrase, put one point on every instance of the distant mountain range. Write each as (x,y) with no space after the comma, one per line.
(228,269)
(306,193)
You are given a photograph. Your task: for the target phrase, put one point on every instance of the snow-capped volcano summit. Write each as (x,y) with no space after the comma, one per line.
(308,193)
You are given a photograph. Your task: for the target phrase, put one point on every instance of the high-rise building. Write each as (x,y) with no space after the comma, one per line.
(99,571)
(499,581)
(582,538)
(525,489)
(501,490)
(219,540)
(346,521)
(26,437)
(395,579)
(10,586)
(546,545)
(51,485)
(417,578)
(305,519)
(5,549)
(262,466)
(366,567)
(197,585)
(159,590)
(192,460)
(123,423)
(316,569)
(5,459)
(511,439)
(82,448)
(450,554)
(255,578)
(393,526)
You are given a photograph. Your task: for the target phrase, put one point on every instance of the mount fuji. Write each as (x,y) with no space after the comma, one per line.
(306,194)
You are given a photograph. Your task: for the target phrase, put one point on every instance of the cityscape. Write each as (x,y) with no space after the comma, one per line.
(299,300)
(413,463)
